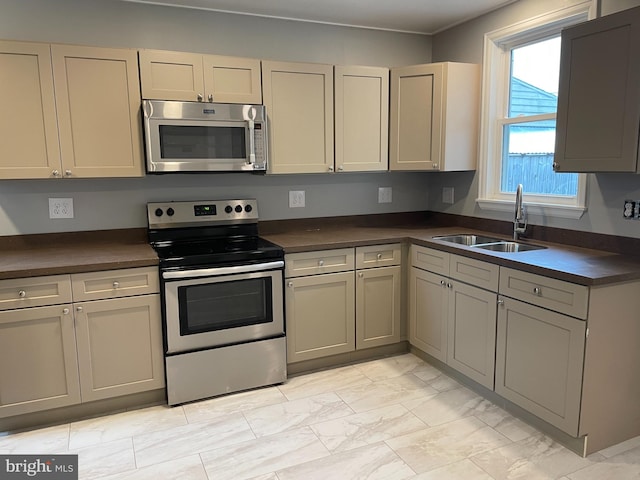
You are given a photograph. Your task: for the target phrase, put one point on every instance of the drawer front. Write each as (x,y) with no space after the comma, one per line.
(429,259)
(475,272)
(379,256)
(314,263)
(115,283)
(558,295)
(34,291)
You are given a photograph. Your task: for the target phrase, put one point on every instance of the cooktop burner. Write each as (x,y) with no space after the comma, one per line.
(221,232)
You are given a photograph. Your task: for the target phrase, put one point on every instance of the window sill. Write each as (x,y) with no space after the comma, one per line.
(546,210)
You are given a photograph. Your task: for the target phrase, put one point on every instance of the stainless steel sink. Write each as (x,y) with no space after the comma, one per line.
(467,239)
(509,247)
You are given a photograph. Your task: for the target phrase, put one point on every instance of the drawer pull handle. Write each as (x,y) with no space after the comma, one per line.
(379,256)
(320,263)
(537,291)
(22,294)
(116,284)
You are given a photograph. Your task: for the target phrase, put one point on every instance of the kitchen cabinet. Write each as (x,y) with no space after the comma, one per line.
(434,117)
(60,346)
(361,119)
(299,101)
(599,95)
(319,304)
(79,112)
(329,311)
(378,295)
(451,320)
(191,77)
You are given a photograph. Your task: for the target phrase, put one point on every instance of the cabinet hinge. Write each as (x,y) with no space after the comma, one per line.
(586,333)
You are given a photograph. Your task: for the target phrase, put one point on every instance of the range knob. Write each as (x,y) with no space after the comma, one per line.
(228,209)
(238,208)
(170,211)
(248,208)
(159,212)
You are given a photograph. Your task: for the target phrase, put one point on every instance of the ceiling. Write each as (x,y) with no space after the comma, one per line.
(415,16)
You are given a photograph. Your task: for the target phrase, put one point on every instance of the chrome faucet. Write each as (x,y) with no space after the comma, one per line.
(520,220)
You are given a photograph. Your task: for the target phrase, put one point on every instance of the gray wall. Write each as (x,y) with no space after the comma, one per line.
(120,203)
(606,192)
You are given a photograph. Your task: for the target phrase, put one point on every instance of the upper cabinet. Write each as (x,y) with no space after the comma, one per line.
(599,95)
(361,119)
(95,131)
(299,101)
(199,78)
(434,117)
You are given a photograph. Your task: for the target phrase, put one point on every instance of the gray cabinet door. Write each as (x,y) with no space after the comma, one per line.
(472,332)
(428,313)
(598,97)
(539,362)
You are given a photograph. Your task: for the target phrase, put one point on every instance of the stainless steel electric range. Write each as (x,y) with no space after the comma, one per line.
(222,298)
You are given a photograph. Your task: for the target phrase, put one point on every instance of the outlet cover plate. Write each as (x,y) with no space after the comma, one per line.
(61,208)
(447,195)
(385,194)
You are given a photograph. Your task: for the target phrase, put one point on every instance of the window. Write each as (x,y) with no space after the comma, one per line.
(521,70)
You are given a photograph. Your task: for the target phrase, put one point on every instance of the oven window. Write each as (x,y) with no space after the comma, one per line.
(192,142)
(224,305)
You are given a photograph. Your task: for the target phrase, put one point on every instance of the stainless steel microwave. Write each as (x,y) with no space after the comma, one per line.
(204,137)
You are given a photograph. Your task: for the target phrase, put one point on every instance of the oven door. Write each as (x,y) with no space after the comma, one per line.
(223,306)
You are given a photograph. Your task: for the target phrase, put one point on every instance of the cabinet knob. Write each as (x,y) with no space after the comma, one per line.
(443,283)
(320,263)
(290,284)
(360,274)
(436,166)
(331,169)
(555,166)
(449,285)
(65,311)
(55,173)
(340,168)
(22,294)
(379,256)
(210,98)
(67,173)
(501,303)
(79,308)
(200,97)
(116,284)
(537,291)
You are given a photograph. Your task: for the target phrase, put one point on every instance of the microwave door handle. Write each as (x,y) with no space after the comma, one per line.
(252,143)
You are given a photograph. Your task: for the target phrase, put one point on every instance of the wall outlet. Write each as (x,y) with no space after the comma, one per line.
(385,194)
(296,199)
(631,209)
(447,194)
(61,208)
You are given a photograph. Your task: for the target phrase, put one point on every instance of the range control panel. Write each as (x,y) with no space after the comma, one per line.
(207,212)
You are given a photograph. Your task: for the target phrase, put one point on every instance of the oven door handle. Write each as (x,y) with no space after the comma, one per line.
(210,272)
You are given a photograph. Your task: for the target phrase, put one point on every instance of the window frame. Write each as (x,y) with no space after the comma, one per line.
(495,98)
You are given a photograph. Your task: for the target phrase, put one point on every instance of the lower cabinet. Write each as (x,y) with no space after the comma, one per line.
(78,351)
(341,300)
(450,320)
(539,362)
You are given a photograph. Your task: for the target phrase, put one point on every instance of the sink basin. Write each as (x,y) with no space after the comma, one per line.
(467,239)
(509,247)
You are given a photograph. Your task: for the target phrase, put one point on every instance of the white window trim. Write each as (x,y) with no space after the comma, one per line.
(495,74)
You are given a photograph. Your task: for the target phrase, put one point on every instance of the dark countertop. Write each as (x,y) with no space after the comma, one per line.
(574,264)
(54,254)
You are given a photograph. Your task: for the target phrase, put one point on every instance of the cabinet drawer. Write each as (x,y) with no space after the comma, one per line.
(558,295)
(430,259)
(475,272)
(313,263)
(378,255)
(115,283)
(34,291)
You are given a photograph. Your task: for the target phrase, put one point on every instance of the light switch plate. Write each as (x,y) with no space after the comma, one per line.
(296,199)
(447,194)
(61,208)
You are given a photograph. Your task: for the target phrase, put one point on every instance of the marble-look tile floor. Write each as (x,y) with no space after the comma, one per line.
(392,418)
